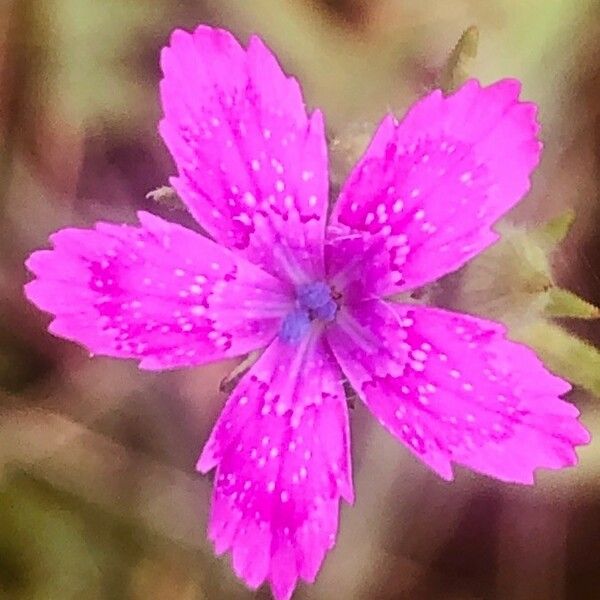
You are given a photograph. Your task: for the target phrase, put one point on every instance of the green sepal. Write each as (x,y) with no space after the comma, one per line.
(563,353)
(562,303)
(555,230)
(456,70)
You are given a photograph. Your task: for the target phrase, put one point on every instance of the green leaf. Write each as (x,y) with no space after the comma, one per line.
(555,230)
(563,303)
(457,67)
(508,282)
(46,553)
(562,352)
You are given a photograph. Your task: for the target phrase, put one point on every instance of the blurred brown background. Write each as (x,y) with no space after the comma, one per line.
(98,495)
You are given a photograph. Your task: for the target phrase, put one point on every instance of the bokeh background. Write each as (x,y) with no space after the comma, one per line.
(98,494)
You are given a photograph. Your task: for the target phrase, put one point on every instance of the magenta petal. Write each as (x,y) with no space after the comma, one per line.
(453,389)
(433,184)
(281,448)
(252,164)
(159,293)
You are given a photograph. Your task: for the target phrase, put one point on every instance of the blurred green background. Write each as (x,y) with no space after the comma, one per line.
(98,494)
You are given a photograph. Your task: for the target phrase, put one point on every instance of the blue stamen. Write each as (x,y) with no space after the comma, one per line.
(327,311)
(314,302)
(313,295)
(294,326)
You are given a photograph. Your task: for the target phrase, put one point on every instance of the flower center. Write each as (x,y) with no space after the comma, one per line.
(313,302)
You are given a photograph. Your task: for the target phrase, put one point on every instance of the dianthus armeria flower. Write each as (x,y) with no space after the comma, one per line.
(278,273)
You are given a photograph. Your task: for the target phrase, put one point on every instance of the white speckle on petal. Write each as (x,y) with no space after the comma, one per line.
(398,206)
(249,199)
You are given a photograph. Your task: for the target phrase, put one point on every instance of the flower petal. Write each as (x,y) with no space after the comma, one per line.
(433,184)
(252,165)
(452,388)
(282,451)
(159,293)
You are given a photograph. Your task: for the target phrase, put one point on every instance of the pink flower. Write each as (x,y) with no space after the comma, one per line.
(279,274)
